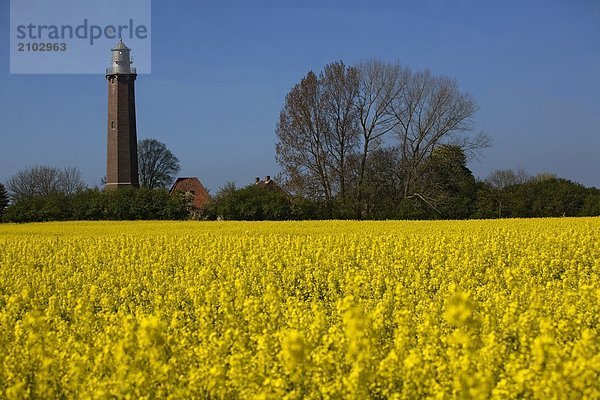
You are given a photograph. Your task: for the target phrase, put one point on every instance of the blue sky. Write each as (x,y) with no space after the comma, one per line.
(221,70)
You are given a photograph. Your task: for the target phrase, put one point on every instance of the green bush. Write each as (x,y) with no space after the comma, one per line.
(253,203)
(94,204)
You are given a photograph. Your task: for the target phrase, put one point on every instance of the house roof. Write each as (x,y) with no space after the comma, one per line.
(193,185)
(270,184)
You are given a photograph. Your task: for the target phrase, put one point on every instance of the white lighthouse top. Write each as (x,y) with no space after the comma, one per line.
(121,61)
(121,46)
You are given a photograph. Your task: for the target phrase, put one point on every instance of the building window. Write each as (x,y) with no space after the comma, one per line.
(112,125)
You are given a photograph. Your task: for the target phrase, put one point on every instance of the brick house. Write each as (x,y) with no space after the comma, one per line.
(194,186)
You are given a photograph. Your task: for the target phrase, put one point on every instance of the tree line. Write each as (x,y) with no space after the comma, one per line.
(374,140)
(458,196)
(46,193)
(503,194)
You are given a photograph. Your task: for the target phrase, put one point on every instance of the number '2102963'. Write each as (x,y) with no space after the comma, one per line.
(27,46)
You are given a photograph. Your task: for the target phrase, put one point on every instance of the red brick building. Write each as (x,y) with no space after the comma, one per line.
(121,155)
(194,186)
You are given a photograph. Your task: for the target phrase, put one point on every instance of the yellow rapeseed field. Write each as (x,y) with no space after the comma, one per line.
(357,310)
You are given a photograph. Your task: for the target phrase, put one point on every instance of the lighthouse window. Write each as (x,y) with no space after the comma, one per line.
(112,125)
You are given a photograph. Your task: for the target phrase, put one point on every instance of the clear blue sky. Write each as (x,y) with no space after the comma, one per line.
(221,70)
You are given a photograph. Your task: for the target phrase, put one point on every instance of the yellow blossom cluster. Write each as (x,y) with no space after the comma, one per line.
(290,310)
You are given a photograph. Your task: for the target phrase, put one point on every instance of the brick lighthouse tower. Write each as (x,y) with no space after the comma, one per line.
(121,160)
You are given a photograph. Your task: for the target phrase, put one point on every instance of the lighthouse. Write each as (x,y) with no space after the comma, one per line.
(121,155)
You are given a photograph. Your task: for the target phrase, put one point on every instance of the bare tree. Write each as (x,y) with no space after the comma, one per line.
(379,85)
(302,134)
(340,90)
(157,166)
(35,181)
(318,132)
(42,180)
(543,177)
(502,178)
(333,122)
(430,111)
(69,181)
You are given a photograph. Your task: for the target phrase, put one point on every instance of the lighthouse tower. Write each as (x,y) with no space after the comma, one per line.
(121,160)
